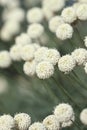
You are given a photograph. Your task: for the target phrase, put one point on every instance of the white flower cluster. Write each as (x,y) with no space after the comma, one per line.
(20,121)
(68,62)
(63,116)
(12,17)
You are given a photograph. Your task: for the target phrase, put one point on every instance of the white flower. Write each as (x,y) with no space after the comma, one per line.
(29,68)
(66,63)
(5,59)
(23,39)
(22,121)
(64,31)
(7,121)
(35,15)
(82,12)
(83,116)
(13,27)
(27,52)
(3,85)
(48,14)
(54,5)
(39,54)
(15,52)
(5,35)
(35,30)
(85,40)
(64,112)
(37,126)
(69,14)
(55,22)
(51,123)
(52,55)
(44,70)
(17,15)
(80,55)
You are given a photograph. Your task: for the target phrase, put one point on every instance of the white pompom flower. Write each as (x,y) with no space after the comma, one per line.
(15,52)
(27,52)
(29,68)
(66,63)
(37,126)
(64,113)
(52,55)
(55,22)
(22,121)
(44,70)
(82,12)
(23,39)
(54,5)
(5,59)
(80,55)
(35,30)
(69,15)
(7,121)
(35,15)
(64,31)
(85,67)
(51,123)
(83,116)
(39,54)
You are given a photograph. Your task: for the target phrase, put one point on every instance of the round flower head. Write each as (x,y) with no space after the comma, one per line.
(52,55)
(82,12)
(15,52)
(85,40)
(44,70)
(5,35)
(23,39)
(29,68)
(69,14)
(64,112)
(66,63)
(37,126)
(64,31)
(22,121)
(80,55)
(5,59)
(51,123)
(35,30)
(35,15)
(17,14)
(39,54)
(54,5)
(83,116)
(27,52)
(55,22)
(7,121)
(13,27)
